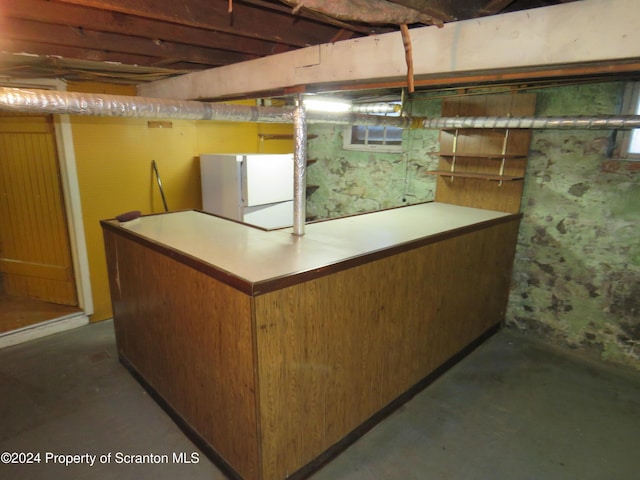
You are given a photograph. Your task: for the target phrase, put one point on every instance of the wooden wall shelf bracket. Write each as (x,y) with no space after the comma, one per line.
(504,152)
(484,176)
(454,152)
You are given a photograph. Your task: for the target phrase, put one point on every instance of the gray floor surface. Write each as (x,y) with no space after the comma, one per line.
(513,409)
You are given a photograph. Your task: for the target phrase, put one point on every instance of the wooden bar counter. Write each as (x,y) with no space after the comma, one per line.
(276,350)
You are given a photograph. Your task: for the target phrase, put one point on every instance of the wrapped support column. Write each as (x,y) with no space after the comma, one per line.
(299,168)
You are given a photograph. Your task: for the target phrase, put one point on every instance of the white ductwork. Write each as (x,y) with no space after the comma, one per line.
(71,103)
(580,122)
(104,105)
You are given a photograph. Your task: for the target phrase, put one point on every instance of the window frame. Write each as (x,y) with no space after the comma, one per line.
(391,147)
(630,106)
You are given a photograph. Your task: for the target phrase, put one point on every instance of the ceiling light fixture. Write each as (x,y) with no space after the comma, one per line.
(326,104)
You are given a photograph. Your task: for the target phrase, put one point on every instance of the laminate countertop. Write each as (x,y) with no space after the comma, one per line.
(254,256)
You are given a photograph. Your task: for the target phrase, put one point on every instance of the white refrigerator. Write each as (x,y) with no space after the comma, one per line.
(252,188)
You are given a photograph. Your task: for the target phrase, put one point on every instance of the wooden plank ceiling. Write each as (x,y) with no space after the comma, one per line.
(133,41)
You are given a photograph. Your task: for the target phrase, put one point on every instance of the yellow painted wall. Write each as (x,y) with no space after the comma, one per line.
(113,157)
(225,137)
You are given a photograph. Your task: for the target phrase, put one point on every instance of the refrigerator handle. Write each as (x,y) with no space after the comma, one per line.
(242,174)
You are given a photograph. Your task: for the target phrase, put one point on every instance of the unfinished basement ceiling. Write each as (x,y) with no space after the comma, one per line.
(135,41)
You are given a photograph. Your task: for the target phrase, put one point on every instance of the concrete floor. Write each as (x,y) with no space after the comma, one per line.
(513,409)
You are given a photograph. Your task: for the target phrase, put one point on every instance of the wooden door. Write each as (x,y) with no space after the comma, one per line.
(35,256)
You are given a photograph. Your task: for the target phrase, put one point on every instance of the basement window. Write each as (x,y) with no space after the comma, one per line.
(634,141)
(628,141)
(374,138)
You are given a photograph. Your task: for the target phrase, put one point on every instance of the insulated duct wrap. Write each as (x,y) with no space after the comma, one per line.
(72,103)
(104,105)
(299,169)
(588,123)
(363,119)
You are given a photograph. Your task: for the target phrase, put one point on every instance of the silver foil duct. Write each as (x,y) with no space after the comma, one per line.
(72,103)
(579,122)
(104,105)
(363,119)
(299,169)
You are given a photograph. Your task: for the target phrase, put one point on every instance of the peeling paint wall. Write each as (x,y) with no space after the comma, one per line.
(354,182)
(576,275)
(576,278)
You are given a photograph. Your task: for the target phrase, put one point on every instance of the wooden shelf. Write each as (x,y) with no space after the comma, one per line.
(473,131)
(494,159)
(490,156)
(482,176)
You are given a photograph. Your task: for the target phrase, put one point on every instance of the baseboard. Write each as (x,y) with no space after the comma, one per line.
(43,329)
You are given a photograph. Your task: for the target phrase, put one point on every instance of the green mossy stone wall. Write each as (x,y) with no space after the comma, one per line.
(576,276)
(354,182)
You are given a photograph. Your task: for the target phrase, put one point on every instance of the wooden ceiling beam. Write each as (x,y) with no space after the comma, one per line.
(531,39)
(213,15)
(54,51)
(27,30)
(113,22)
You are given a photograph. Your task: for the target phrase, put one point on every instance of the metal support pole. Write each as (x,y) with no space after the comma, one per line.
(299,168)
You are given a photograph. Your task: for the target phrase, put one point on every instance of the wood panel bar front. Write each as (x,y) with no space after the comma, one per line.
(190,338)
(335,350)
(272,381)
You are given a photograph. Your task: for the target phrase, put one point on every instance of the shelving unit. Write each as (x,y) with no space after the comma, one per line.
(484,168)
(484,176)
(502,156)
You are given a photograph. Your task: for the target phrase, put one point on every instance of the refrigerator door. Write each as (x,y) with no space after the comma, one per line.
(267,179)
(276,215)
(221,184)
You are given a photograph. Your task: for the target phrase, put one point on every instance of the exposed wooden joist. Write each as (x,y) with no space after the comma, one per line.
(37,32)
(54,51)
(114,22)
(48,64)
(213,15)
(538,38)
